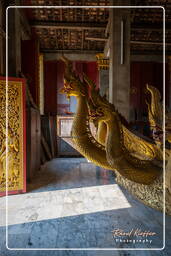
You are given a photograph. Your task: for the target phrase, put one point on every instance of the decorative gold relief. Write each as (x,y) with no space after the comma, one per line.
(138,147)
(102,62)
(14,158)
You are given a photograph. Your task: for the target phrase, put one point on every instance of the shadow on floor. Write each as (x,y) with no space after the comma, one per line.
(86,230)
(93,230)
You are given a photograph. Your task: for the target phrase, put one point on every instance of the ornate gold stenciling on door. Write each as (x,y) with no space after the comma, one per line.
(14,158)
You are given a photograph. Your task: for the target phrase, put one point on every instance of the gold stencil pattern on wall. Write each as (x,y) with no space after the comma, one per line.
(14,157)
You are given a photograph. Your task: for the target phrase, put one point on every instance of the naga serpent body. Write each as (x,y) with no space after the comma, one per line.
(117,158)
(84,141)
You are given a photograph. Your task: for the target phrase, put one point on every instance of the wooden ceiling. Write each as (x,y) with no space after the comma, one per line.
(147,27)
(84,29)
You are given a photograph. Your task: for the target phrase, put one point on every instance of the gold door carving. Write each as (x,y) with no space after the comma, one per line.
(12,158)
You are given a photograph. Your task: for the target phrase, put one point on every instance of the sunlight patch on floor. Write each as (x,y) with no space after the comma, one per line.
(30,207)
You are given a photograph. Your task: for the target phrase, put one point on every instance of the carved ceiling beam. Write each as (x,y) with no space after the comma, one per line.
(95,26)
(148,43)
(96,39)
(78,51)
(149,52)
(150,27)
(132,41)
(69,25)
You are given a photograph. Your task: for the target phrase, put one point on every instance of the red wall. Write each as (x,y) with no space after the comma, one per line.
(143,73)
(89,68)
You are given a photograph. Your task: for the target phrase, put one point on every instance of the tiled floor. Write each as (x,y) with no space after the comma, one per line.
(74,204)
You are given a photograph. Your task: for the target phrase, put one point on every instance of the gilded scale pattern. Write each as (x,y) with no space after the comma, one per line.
(15,136)
(139,147)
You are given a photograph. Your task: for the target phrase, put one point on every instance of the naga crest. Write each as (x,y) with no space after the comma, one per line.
(155,109)
(100,108)
(73,86)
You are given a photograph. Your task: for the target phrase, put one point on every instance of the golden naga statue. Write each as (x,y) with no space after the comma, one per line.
(116,148)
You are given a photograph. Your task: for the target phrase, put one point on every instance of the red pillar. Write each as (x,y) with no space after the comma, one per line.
(50,87)
(30,66)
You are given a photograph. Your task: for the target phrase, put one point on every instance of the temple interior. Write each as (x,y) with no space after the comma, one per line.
(85,127)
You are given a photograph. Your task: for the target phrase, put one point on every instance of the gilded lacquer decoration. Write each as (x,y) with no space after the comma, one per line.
(12,158)
(102,61)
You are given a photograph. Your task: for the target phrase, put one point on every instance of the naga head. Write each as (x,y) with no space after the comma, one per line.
(73,87)
(100,109)
(72,83)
